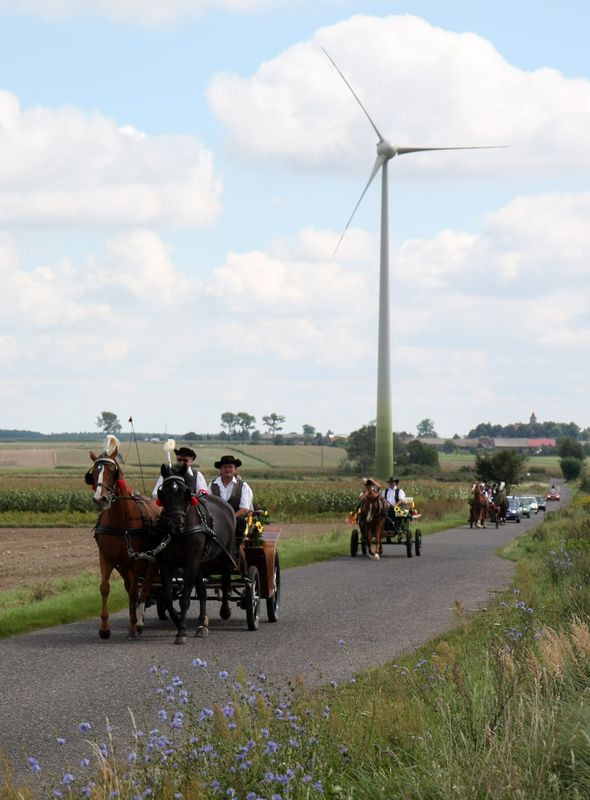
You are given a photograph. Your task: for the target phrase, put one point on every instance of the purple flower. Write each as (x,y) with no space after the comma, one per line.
(84,727)
(60,740)
(223,674)
(67,778)
(34,765)
(85,762)
(198,662)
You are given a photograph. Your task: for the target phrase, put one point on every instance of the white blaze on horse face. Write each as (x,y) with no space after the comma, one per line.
(98,482)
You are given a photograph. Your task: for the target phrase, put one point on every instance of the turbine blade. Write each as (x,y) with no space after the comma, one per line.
(375,128)
(376,167)
(403,150)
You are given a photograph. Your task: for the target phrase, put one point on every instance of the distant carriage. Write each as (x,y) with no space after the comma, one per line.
(397,529)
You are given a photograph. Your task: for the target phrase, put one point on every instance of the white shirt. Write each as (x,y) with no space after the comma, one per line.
(225,492)
(390,496)
(201,482)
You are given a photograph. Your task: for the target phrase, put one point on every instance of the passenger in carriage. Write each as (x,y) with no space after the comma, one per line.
(234,490)
(394,494)
(193,478)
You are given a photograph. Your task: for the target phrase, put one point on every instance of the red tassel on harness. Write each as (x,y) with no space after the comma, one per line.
(194,501)
(121,483)
(158,502)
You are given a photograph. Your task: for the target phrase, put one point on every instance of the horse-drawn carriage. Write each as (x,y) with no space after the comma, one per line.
(255,577)
(187,545)
(396,529)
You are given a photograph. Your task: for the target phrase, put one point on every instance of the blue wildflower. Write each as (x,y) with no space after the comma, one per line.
(34,765)
(84,727)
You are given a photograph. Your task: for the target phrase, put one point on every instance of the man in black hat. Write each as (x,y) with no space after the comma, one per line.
(231,488)
(394,493)
(193,478)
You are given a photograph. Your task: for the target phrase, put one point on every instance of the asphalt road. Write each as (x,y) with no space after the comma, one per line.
(54,679)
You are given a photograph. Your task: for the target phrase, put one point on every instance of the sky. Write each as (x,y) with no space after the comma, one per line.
(175,176)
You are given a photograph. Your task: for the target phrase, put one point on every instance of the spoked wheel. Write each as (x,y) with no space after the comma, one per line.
(252,598)
(273,603)
(354,543)
(418,542)
(409,543)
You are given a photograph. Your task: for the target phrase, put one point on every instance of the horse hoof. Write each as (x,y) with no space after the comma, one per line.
(225,612)
(104,634)
(202,632)
(180,639)
(376,556)
(132,635)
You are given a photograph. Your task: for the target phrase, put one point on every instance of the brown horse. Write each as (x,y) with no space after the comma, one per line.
(479,505)
(372,509)
(125,525)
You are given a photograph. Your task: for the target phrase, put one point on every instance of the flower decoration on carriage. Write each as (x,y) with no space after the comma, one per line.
(254,528)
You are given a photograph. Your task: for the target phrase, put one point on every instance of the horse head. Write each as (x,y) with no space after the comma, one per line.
(104,473)
(175,497)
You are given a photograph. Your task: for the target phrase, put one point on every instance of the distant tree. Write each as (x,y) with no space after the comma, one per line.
(308,432)
(505,465)
(273,423)
(571,448)
(229,421)
(360,449)
(426,428)
(245,422)
(419,453)
(108,422)
(571,467)
(255,436)
(448,446)
(191,436)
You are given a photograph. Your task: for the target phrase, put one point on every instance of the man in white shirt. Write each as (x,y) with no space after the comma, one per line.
(193,478)
(231,488)
(394,493)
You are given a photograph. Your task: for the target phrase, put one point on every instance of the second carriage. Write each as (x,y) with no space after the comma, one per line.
(397,530)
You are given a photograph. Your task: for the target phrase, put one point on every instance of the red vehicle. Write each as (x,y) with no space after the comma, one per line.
(553,494)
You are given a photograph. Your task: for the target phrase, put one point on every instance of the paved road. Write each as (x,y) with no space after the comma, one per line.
(53,679)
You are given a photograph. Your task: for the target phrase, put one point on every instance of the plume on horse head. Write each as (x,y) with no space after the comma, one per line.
(111,445)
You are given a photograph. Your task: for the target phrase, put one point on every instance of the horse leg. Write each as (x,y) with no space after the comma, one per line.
(379,536)
(202,630)
(105,587)
(369,541)
(190,578)
(143,590)
(130,580)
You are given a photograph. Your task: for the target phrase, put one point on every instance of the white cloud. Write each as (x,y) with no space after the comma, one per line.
(422,85)
(65,166)
(141,12)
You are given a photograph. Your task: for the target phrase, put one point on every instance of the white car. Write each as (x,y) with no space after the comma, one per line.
(534,505)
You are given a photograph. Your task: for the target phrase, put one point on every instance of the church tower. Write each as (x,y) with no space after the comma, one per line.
(533,419)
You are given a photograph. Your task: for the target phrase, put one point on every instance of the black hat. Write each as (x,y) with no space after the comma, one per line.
(227,460)
(393,480)
(185,452)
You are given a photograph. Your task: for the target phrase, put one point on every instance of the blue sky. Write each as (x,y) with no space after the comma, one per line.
(174,177)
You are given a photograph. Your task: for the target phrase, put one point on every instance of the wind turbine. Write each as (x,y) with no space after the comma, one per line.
(386,150)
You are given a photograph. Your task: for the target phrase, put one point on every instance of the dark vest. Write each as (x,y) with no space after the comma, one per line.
(191,481)
(235,496)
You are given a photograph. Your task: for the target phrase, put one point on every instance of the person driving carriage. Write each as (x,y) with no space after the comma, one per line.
(193,478)
(394,494)
(234,490)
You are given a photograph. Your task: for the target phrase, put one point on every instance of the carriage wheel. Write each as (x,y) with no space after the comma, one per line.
(273,603)
(409,544)
(252,598)
(354,543)
(418,542)
(161,609)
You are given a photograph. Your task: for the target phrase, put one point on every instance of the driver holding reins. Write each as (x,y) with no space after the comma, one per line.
(234,490)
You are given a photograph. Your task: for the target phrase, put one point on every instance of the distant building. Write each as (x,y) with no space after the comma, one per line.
(533,419)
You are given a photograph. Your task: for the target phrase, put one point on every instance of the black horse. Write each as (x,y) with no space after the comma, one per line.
(193,531)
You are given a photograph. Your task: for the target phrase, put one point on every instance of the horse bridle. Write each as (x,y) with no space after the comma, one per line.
(110,491)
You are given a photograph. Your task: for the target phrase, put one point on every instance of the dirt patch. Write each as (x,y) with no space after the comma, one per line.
(35,555)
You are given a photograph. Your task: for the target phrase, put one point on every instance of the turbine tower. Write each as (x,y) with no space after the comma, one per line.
(386,150)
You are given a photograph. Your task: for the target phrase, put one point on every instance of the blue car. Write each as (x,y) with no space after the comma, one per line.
(514,510)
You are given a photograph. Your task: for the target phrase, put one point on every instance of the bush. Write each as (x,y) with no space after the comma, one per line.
(571,468)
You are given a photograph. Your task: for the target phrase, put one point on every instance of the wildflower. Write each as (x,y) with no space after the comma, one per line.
(162,715)
(104,750)
(228,710)
(85,762)
(67,778)
(293,742)
(265,732)
(131,758)
(318,787)
(34,765)
(84,727)
(206,713)
(261,677)
(153,669)
(341,642)
(60,740)
(223,674)
(333,684)
(198,662)
(271,747)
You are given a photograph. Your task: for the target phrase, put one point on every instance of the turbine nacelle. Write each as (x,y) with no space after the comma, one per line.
(387,150)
